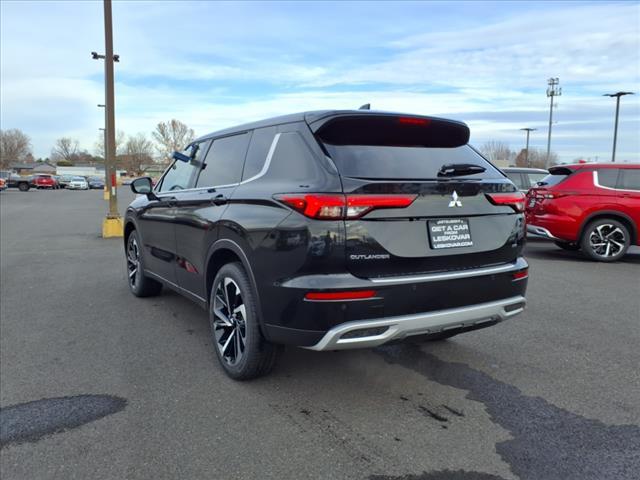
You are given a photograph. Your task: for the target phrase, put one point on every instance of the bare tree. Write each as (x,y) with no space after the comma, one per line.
(137,151)
(15,146)
(495,150)
(66,149)
(121,138)
(171,136)
(536,158)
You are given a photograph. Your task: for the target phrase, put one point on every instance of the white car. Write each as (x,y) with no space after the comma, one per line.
(78,183)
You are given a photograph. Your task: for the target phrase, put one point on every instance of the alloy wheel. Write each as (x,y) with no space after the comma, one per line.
(133,261)
(229,321)
(607,240)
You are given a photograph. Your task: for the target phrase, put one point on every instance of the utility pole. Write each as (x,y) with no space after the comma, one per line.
(526,151)
(553,90)
(615,128)
(112,225)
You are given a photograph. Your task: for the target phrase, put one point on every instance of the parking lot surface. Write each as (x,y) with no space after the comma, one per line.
(96,383)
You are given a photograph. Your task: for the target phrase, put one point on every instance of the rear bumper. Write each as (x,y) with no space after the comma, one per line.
(418,299)
(543,232)
(371,333)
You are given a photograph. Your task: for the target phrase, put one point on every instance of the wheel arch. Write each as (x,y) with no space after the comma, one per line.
(225,251)
(613,214)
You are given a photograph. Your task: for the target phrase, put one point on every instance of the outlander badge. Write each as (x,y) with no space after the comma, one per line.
(454,200)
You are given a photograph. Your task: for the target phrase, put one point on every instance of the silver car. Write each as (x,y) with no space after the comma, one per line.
(78,183)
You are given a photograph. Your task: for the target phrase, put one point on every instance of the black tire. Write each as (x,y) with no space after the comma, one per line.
(139,284)
(571,247)
(605,240)
(233,310)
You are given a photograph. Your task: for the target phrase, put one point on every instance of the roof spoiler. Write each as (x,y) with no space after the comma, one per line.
(381,129)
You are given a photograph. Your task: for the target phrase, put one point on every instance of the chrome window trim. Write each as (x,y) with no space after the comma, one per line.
(261,173)
(267,163)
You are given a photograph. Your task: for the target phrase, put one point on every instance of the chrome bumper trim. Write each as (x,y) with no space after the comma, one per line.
(543,232)
(417,324)
(519,264)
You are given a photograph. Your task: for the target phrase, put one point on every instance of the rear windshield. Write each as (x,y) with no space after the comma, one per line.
(553,179)
(395,162)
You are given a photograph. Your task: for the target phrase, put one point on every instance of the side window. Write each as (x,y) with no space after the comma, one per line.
(608,177)
(534,178)
(630,179)
(293,159)
(223,164)
(516,178)
(182,175)
(261,141)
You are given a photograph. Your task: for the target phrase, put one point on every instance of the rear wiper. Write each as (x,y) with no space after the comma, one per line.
(456,169)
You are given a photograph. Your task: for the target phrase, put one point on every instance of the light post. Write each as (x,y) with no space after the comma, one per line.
(553,90)
(112,225)
(526,150)
(615,128)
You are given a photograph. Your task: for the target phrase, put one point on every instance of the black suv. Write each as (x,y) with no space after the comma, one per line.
(331,230)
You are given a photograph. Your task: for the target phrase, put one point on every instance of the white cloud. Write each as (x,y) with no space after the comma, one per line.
(217,64)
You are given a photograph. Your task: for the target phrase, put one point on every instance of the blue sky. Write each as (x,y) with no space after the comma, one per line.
(214,65)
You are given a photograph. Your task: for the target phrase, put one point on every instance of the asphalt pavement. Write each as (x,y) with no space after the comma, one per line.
(95,383)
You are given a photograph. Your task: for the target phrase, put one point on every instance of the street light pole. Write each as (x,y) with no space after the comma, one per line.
(553,90)
(615,128)
(526,151)
(112,225)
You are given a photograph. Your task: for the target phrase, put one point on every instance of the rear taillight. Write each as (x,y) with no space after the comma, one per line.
(514,200)
(337,207)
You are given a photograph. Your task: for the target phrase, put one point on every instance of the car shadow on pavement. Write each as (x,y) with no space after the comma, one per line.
(554,253)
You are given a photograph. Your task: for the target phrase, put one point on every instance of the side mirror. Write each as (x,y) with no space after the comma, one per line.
(181,157)
(143,186)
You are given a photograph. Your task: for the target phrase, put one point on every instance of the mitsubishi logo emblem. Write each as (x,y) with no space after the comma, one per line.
(454,200)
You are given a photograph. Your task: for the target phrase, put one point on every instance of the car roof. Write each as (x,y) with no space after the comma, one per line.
(309,117)
(524,170)
(579,166)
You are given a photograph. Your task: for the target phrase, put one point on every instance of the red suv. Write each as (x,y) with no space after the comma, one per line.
(44,181)
(590,207)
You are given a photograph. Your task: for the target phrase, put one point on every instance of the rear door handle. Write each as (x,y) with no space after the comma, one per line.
(219,200)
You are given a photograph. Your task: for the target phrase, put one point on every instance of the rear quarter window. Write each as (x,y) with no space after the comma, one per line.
(608,177)
(630,179)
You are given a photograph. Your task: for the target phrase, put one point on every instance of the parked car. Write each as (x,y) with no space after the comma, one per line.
(590,207)
(78,183)
(21,183)
(96,183)
(43,180)
(65,180)
(525,178)
(331,230)
(3,184)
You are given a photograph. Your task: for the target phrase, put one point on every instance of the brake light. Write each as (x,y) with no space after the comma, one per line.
(342,207)
(514,200)
(332,296)
(414,121)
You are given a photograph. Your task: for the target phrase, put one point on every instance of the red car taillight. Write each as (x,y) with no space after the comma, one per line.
(342,207)
(514,200)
